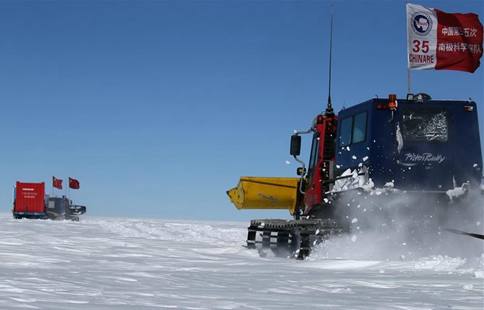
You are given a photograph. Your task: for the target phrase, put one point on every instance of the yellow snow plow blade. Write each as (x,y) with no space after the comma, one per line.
(265,193)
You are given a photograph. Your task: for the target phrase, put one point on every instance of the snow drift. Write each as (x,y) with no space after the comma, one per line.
(108,263)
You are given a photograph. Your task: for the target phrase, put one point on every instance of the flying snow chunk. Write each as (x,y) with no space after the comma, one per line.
(354,238)
(365,158)
(399,139)
(354,157)
(354,221)
(389,185)
(456,192)
(288,162)
(475,165)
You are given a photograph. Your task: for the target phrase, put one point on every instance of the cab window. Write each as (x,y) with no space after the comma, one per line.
(313,160)
(345,131)
(359,128)
(353,129)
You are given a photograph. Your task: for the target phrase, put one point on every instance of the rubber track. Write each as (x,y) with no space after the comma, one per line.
(289,224)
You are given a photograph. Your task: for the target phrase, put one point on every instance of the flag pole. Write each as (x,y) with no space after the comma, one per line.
(408,81)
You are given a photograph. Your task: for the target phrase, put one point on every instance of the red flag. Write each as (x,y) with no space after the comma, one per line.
(443,41)
(57,183)
(74,184)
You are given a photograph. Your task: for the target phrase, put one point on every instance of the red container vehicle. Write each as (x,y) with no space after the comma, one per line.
(30,201)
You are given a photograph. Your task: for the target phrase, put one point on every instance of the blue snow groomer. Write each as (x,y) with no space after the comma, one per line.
(414,156)
(411,166)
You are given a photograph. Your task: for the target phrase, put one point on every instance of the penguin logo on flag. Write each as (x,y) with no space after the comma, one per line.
(421,23)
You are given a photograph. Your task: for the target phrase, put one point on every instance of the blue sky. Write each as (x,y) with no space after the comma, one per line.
(158,107)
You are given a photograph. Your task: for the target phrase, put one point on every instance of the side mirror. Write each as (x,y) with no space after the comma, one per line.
(295,145)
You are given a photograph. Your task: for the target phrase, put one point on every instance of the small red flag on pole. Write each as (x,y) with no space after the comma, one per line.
(74,184)
(57,183)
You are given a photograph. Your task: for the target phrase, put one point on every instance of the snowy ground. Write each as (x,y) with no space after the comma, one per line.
(161,264)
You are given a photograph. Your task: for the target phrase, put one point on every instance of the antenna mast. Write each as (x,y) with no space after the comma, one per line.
(329,108)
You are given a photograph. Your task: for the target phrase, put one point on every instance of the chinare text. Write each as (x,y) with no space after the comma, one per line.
(422,59)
